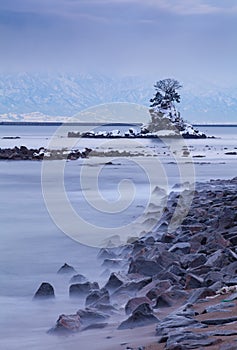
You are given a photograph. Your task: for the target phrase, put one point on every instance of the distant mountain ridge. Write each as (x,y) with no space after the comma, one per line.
(52,95)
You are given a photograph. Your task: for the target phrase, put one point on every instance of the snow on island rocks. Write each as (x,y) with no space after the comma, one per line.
(169,123)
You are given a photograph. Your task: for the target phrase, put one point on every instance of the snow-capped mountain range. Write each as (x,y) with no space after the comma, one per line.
(45,97)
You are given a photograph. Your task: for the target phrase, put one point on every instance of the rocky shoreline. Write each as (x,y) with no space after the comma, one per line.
(24,153)
(182,285)
(131,134)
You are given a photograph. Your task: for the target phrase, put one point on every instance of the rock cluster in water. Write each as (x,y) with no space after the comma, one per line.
(24,153)
(186,271)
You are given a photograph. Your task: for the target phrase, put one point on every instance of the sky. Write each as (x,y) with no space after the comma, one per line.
(185,39)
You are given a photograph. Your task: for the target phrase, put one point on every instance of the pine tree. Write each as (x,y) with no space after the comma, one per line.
(166,93)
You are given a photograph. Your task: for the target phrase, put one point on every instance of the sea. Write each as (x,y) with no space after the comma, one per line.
(41,228)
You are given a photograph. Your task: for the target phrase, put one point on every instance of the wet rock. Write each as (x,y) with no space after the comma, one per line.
(231,269)
(145,267)
(133,285)
(174,322)
(133,303)
(199,294)
(112,263)
(78,279)
(213,277)
(193,281)
(180,248)
(155,288)
(82,289)
(66,269)
(163,301)
(45,291)
(193,260)
(138,319)
(106,253)
(115,281)
(67,324)
(219,321)
(97,297)
(218,307)
(90,316)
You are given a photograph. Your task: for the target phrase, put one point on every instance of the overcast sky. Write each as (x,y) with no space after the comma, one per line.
(177,38)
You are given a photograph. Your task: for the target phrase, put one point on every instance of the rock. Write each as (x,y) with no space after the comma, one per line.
(67,324)
(97,297)
(66,269)
(156,287)
(230,269)
(199,294)
(163,301)
(219,321)
(133,303)
(145,267)
(193,260)
(45,291)
(78,279)
(138,319)
(193,281)
(91,316)
(213,277)
(174,322)
(82,289)
(180,248)
(218,307)
(106,253)
(112,263)
(115,281)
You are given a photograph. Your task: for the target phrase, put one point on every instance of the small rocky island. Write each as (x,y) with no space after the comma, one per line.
(166,120)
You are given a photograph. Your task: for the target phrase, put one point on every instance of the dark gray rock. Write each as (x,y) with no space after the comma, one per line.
(115,281)
(112,263)
(45,291)
(106,253)
(67,324)
(213,277)
(163,301)
(180,248)
(133,304)
(199,294)
(138,319)
(193,281)
(82,289)
(145,267)
(90,316)
(66,269)
(155,288)
(220,321)
(223,307)
(78,279)
(193,260)
(174,322)
(97,297)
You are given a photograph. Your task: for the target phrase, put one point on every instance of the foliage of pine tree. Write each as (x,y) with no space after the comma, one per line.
(166,93)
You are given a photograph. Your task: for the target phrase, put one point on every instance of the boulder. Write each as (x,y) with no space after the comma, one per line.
(133,303)
(66,269)
(78,279)
(82,289)
(90,316)
(115,281)
(145,267)
(67,324)
(138,319)
(45,291)
(97,297)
